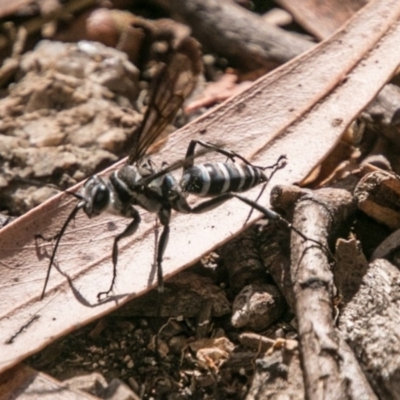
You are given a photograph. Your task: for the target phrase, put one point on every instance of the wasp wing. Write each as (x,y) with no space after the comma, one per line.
(174,83)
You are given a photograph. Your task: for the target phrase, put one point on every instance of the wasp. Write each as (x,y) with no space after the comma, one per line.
(138,184)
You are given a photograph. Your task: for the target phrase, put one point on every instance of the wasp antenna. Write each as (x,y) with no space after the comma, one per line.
(76,195)
(53,255)
(280,163)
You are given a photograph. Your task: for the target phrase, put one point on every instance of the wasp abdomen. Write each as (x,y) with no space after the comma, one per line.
(213,179)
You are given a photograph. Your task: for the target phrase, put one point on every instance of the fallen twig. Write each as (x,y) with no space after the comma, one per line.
(330,369)
(239,34)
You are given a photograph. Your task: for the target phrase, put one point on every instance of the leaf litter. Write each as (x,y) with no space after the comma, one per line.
(296,114)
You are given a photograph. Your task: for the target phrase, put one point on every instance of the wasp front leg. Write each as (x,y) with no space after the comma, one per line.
(129,230)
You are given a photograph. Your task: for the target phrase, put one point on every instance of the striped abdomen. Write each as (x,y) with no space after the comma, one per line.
(213,179)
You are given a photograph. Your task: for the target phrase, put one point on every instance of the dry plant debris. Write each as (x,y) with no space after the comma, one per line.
(67,117)
(262,316)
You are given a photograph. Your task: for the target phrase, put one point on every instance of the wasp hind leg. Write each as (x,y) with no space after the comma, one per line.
(269,214)
(231,155)
(280,163)
(274,216)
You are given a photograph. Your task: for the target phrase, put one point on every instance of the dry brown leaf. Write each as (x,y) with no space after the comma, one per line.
(23,383)
(217,92)
(299,110)
(322,18)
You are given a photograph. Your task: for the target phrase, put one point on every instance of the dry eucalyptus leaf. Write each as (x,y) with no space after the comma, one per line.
(23,382)
(322,18)
(299,110)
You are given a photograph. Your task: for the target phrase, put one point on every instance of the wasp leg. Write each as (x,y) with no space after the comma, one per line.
(214,202)
(274,216)
(129,230)
(58,238)
(210,204)
(228,153)
(280,163)
(271,215)
(164,216)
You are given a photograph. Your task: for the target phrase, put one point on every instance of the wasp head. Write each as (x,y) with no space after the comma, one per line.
(95,196)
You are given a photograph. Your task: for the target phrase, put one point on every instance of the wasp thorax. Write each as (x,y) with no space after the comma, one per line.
(146,168)
(96,196)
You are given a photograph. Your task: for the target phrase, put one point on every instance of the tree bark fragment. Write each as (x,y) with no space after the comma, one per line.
(370,315)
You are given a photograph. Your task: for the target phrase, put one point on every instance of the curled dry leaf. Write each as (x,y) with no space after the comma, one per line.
(378,195)
(211,353)
(294,111)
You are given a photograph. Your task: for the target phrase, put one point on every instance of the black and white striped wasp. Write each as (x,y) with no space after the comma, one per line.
(139,184)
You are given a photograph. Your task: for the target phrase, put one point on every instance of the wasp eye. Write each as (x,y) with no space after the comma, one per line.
(101,198)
